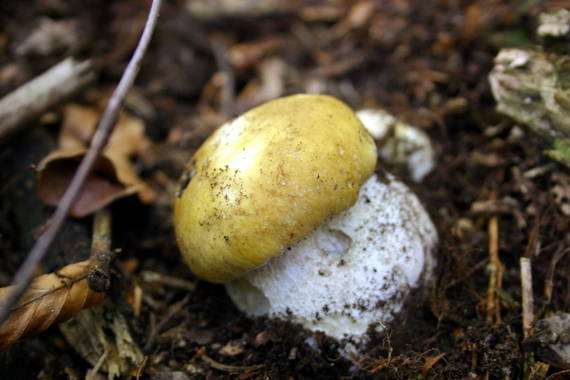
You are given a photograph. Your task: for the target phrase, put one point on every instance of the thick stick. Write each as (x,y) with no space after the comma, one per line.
(105,127)
(31,100)
(99,277)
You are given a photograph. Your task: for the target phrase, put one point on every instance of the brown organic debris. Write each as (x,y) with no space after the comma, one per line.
(232,369)
(561,192)
(50,37)
(496,271)
(527,296)
(113,177)
(50,299)
(102,336)
(551,340)
(101,186)
(99,277)
(425,63)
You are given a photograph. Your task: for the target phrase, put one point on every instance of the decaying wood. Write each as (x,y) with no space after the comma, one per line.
(530,86)
(99,277)
(43,92)
(101,335)
(50,299)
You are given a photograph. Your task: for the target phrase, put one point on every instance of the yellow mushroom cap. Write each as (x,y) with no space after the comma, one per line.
(263,181)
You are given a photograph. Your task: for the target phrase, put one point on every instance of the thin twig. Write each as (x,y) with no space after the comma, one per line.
(549,280)
(495,273)
(527,296)
(229,368)
(172,311)
(23,277)
(527,309)
(92,373)
(173,282)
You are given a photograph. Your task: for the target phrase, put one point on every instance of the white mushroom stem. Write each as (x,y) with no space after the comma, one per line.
(354,271)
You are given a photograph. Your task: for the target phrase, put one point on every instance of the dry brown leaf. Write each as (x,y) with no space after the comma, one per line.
(113,177)
(101,186)
(50,299)
(79,123)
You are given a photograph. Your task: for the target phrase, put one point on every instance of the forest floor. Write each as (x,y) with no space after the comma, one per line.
(427,63)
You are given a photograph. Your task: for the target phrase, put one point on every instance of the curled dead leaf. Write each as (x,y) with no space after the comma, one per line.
(51,298)
(101,186)
(113,176)
(79,123)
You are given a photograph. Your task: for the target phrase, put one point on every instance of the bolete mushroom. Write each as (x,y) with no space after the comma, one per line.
(281,204)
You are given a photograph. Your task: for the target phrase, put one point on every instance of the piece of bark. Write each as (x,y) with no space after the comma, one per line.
(37,96)
(531,86)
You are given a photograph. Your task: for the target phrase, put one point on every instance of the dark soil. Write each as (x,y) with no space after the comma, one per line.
(425,62)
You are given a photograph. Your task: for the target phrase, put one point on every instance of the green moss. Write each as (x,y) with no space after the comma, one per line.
(560,152)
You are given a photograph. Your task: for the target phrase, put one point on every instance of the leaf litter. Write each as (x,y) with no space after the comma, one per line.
(114,176)
(493,194)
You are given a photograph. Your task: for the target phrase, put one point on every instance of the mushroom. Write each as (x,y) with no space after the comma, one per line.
(283,206)
(401,143)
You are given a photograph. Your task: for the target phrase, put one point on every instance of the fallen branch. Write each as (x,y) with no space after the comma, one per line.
(23,277)
(34,98)
(50,299)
